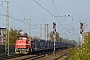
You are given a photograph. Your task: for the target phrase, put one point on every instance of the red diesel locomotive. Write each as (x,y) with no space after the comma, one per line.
(23,45)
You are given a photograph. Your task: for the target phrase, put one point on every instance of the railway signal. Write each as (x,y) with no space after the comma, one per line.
(81,33)
(54,34)
(81,28)
(54,27)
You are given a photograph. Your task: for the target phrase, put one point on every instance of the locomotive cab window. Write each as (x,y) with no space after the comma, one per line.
(19,38)
(22,38)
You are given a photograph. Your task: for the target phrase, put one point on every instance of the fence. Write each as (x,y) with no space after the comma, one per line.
(2,49)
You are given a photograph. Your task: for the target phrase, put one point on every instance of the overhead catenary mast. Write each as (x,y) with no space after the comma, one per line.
(41,31)
(86,29)
(7,52)
(29,26)
(46,31)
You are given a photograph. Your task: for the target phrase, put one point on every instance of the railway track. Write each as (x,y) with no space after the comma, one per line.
(32,56)
(10,57)
(42,55)
(28,57)
(59,55)
(22,57)
(62,57)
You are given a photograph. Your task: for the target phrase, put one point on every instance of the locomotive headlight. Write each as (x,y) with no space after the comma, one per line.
(27,49)
(16,49)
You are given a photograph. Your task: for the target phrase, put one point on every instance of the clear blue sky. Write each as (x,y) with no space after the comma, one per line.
(44,12)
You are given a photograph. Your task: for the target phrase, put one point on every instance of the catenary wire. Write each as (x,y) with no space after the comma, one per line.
(58,13)
(48,12)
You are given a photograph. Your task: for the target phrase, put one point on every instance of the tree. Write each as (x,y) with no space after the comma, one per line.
(13,34)
(36,38)
(89,36)
(72,42)
(52,38)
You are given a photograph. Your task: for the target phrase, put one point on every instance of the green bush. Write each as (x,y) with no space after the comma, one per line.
(80,53)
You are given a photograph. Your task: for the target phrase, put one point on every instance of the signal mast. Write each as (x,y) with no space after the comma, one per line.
(54,34)
(81,33)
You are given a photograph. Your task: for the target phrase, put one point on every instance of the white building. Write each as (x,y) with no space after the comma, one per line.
(2,33)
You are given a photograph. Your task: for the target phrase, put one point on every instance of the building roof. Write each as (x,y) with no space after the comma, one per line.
(2,28)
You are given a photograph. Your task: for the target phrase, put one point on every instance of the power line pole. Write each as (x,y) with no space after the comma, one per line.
(87,29)
(41,31)
(29,26)
(45,31)
(7,29)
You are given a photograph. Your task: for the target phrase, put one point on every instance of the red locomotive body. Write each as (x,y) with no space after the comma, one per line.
(22,45)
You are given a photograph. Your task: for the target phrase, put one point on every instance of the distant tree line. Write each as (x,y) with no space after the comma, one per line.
(14,33)
(58,38)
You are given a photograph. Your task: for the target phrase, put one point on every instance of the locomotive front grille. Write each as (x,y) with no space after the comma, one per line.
(21,50)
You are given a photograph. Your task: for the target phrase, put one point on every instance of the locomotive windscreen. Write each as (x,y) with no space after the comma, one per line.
(22,38)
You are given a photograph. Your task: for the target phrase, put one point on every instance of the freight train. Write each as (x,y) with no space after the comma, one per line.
(24,45)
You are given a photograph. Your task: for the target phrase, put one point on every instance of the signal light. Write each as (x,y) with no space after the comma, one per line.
(81,25)
(54,25)
(81,28)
